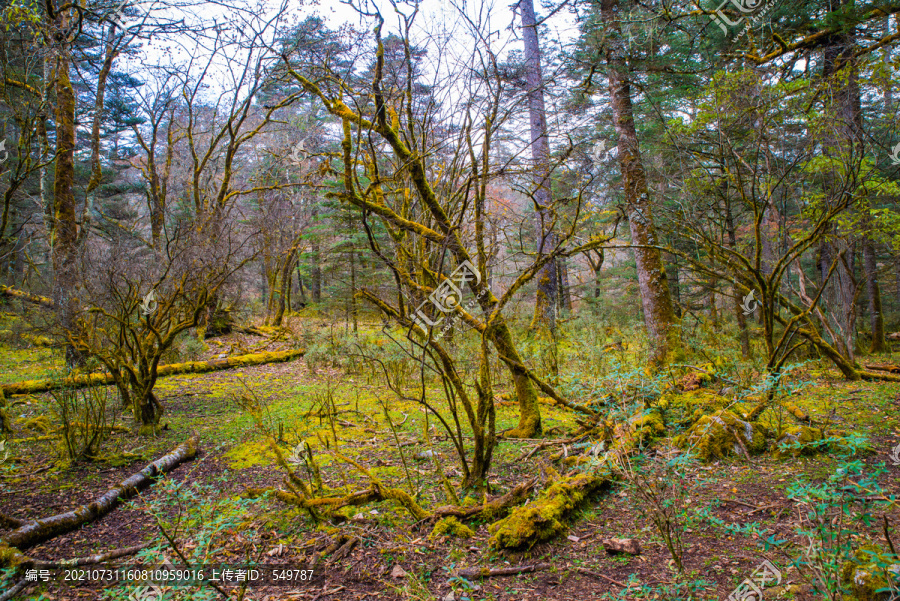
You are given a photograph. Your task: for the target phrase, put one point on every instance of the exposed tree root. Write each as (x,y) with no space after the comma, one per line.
(37,531)
(196,367)
(510,571)
(26,296)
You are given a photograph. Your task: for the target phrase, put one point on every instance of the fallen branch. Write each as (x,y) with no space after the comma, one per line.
(195,367)
(26,296)
(893,369)
(543,518)
(18,588)
(510,571)
(90,559)
(492,509)
(37,531)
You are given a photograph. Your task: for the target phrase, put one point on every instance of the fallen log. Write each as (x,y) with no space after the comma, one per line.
(26,296)
(510,571)
(34,532)
(893,369)
(172,369)
(490,510)
(543,518)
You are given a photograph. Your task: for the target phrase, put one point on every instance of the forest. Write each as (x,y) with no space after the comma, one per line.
(449,300)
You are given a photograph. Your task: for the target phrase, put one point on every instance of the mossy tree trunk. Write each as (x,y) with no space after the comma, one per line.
(659,314)
(63,243)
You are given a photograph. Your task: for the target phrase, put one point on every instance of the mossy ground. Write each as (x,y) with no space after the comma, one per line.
(236,455)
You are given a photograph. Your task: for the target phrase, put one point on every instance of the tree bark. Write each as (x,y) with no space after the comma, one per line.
(876,316)
(659,314)
(65,235)
(743,334)
(547,279)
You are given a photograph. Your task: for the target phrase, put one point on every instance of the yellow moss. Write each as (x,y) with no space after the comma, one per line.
(250,454)
(541,519)
(450,526)
(41,341)
(800,440)
(41,423)
(648,426)
(10,556)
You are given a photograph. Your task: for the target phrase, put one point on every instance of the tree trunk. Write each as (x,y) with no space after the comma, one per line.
(547,279)
(743,335)
(843,144)
(354,303)
(565,294)
(659,315)
(870,264)
(64,241)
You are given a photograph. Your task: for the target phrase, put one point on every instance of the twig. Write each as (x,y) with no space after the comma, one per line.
(510,571)
(741,503)
(764,507)
(888,537)
(598,575)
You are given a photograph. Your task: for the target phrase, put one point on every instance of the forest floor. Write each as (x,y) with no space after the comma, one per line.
(219,526)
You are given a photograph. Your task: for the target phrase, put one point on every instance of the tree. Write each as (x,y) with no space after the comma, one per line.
(422,208)
(548,279)
(659,314)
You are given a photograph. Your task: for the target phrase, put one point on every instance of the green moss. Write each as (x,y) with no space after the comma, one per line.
(648,426)
(451,526)
(688,407)
(870,570)
(542,519)
(40,423)
(722,434)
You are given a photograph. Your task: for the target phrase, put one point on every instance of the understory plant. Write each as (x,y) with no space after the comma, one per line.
(85,420)
(198,528)
(838,519)
(662,484)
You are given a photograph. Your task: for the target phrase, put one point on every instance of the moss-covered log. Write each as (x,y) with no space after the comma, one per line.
(197,367)
(543,518)
(37,531)
(26,296)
